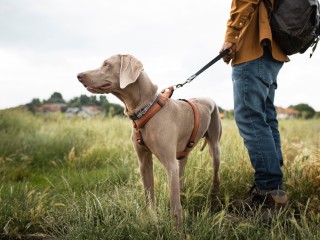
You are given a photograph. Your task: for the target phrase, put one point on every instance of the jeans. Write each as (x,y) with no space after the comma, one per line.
(254,85)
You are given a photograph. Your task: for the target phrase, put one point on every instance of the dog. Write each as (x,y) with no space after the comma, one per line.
(165,133)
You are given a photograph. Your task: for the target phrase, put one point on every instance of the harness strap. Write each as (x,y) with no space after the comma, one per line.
(139,137)
(158,104)
(191,142)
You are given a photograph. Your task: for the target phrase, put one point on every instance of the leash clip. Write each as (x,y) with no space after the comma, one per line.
(191,78)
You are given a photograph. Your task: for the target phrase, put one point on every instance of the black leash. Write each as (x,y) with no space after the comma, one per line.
(213,61)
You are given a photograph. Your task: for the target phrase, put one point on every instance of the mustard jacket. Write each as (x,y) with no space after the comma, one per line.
(247,27)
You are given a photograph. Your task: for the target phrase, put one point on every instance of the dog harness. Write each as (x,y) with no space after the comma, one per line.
(140,119)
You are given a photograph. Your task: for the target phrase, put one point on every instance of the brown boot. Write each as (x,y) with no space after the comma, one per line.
(268,203)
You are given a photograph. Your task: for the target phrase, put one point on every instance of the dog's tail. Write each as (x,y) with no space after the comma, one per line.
(204,143)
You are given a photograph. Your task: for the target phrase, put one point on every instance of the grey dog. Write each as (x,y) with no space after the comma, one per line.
(166,133)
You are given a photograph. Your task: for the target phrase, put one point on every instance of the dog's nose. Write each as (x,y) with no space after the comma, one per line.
(80,76)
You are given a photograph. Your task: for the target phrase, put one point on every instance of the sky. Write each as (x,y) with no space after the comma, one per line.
(44,44)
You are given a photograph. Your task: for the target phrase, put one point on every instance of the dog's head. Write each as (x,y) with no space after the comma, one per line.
(116,73)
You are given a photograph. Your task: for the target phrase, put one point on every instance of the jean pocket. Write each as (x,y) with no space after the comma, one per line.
(268,71)
(239,72)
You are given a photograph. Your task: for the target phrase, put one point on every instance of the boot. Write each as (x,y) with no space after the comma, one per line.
(268,202)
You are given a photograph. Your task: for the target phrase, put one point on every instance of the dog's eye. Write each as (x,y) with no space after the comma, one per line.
(105,64)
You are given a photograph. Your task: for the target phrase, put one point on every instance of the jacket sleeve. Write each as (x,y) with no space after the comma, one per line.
(239,15)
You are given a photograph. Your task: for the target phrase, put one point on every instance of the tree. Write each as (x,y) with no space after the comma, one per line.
(84,100)
(103,100)
(33,105)
(115,109)
(94,101)
(56,97)
(108,109)
(36,102)
(221,110)
(74,102)
(305,110)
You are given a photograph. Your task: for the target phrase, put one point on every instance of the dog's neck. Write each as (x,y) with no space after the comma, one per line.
(135,97)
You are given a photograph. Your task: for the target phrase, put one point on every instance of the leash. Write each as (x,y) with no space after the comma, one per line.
(140,118)
(213,61)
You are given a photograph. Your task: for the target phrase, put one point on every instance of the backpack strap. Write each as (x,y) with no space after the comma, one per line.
(269,6)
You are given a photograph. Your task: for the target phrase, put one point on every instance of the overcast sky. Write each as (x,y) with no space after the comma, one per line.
(45,43)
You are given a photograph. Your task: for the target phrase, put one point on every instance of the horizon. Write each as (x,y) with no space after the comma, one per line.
(121,103)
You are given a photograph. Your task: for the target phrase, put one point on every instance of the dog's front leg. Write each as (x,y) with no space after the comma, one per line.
(146,172)
(172,169)
(182,167)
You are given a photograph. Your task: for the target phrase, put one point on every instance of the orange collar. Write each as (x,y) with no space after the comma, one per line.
(143,116)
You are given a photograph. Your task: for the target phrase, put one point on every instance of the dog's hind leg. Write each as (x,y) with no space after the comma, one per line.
(213,139)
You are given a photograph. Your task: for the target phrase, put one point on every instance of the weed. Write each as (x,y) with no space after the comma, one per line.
(79,179)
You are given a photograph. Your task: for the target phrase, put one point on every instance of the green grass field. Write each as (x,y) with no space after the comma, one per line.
(79,179)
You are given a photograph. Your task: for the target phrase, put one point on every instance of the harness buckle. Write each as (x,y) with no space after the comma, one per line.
(139,137)
(191,144)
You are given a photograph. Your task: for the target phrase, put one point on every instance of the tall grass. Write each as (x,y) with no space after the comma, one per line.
(79,179)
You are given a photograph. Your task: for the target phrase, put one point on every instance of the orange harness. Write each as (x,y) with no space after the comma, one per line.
(160,101)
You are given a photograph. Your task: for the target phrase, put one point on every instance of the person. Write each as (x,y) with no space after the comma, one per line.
(256,61)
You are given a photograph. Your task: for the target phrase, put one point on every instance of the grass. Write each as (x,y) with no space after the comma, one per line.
(79,178)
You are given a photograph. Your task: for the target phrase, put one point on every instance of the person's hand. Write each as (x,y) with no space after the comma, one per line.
(231,55)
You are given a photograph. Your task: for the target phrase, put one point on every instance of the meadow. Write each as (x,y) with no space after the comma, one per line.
(73,178)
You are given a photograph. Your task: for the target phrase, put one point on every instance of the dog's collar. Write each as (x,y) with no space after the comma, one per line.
(143,111)
(153,108)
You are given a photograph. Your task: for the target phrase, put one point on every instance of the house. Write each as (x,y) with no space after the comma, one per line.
(72,111)
(85,111)
(49,108)
(89,111)
(287,113)
(221,115)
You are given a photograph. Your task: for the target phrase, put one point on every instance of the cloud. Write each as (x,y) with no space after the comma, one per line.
(44,44)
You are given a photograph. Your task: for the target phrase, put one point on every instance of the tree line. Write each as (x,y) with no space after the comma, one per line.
(101,102)
(305,111)
(107,108)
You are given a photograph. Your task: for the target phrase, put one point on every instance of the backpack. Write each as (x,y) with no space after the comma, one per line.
(295,24)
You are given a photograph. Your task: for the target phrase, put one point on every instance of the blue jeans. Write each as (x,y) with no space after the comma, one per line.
(254,85)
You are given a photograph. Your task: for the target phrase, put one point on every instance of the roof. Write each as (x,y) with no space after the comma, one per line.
(288,111)
(50,107)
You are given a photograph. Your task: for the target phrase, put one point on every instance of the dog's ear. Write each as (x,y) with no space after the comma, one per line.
(130,70)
